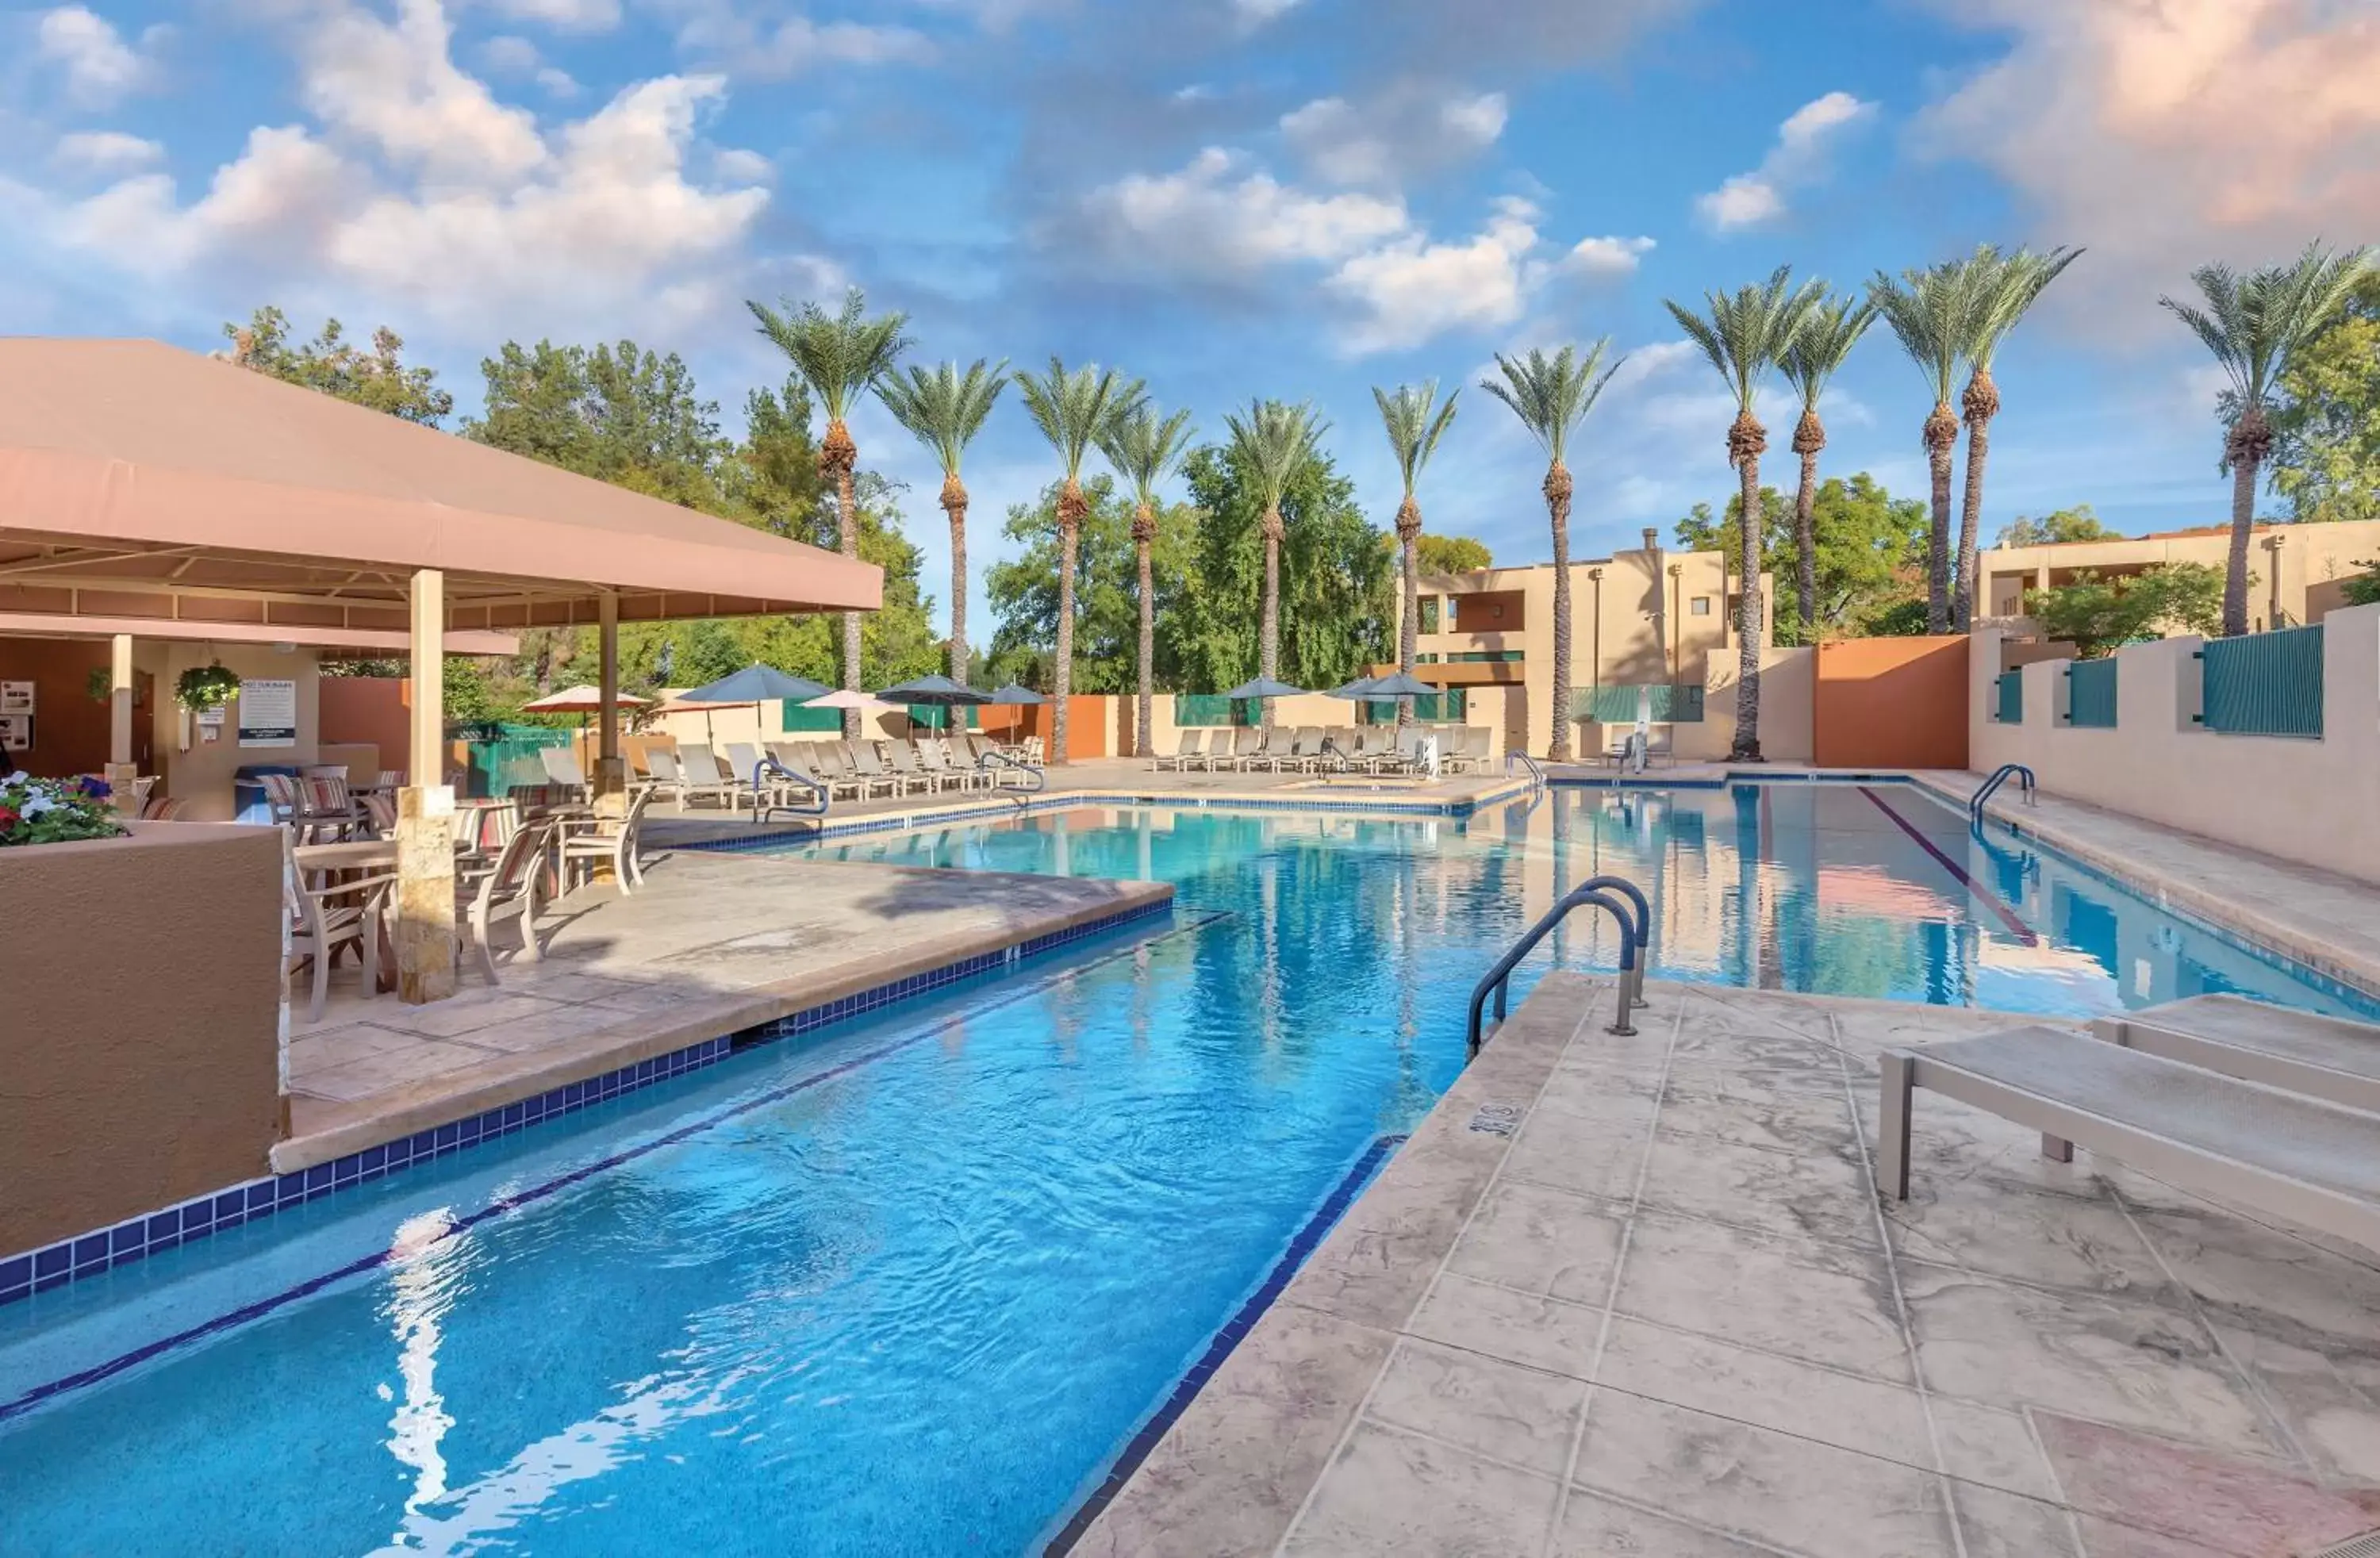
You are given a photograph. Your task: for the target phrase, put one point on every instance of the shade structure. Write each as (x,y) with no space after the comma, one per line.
(844,698)
(1401,684)
(756,684)
(934,692)
(579,700)
(1361,687)
(1264,686)
(1013,694)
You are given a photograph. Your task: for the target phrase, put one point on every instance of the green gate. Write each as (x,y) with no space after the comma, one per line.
(2264,684)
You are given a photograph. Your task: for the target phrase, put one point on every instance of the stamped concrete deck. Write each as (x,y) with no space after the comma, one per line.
(711,944)
(1639,1295)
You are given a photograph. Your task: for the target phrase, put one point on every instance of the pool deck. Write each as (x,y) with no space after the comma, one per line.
(1640,1296)
(711,944)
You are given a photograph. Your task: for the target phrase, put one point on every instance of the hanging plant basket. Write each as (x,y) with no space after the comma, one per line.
(101,684)
(206,687)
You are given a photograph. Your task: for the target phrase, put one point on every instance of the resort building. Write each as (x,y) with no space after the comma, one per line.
(2299,570)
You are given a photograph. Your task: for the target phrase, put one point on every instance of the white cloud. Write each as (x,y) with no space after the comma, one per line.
(1652,362)
(1406,129)
(1212,217)
(1411,289)
(518,59)
(556,83)
(567,16)
(1799,156)
(1253,13)
(734,164)
(2165,136)
(101,68)
(1609,256)
(736,43)
(396,87)
(109,152)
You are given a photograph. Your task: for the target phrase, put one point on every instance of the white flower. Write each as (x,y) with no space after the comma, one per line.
(35,804)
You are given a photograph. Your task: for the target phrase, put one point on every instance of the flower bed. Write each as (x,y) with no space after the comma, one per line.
(55,810)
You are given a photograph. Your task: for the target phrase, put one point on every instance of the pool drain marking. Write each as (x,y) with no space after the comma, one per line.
(1497,1119)
(1991,900)
(232,1318)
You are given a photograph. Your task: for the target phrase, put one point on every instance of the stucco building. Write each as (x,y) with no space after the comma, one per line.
(2299,570)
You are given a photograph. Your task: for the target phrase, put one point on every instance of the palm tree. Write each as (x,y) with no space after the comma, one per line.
(945,410)
(1146,451)
(1747,331)
(1999,288)
(1928,310)
(2253,324)
(838,356)
(1834,328)
(1275,443)
(1073,411)
(1414,421)
(1552,396)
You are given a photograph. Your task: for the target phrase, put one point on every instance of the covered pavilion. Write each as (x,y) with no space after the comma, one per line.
(147,488)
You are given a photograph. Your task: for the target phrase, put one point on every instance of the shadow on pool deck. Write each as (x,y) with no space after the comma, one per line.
(1668,1314)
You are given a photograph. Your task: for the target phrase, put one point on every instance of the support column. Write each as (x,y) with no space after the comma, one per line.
(121,770)
(424,930)
(611,774)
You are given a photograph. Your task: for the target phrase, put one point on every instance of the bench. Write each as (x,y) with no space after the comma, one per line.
(2329,1058)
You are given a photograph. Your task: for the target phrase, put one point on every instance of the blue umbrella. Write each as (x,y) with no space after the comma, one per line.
(1264,686)
(939,691)
(1360,689)
(1012,693)
(1401,684)
(756,684)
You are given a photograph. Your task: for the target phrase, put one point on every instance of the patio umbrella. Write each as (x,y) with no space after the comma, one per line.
(581,700)
(756,684)
(1360,690)
(1012,693)
(934,692)
(1264,686)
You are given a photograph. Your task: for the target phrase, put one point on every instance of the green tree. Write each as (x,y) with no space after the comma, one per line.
(2255,325)
(1073,411)
(1274,444)
(2327,417)
(1929,311)
(1414,421)
(1869,559)
(944,411)
(2097,615)
(1999,288)
(838,356)
(1145,450)
(1747,333)
(616,412)
(1552,396)
(1454,554)
(2364,589)
(2077,523)
(336,367)
(1834,328)
(1024,595)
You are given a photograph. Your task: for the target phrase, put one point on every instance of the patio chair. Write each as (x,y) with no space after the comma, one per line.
(504,890)
(830,766)
(325,917)
(561,764)
(1246,750)
(1036,754)
(1186,750)
(162,808)
(280,796)
(748,775)
(911,768)
(866,770)
(931,754)
(1303,748)
(380,814)
(700,768)
(616,842)
(325,809)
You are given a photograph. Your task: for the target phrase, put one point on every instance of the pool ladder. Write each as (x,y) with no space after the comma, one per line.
(1989,787)
(1617,896)
(1536,774)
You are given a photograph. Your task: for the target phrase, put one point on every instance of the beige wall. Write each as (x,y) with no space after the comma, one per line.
(1788,690)
(2311,800)
(202,775)
(140,1012)
(2289,562)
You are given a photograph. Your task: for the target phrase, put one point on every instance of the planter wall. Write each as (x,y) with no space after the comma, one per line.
(139,1020)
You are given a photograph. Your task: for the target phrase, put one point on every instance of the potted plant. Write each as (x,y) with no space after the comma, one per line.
(55,810)
(206,687)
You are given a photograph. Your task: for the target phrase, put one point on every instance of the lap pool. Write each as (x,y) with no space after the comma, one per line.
(910,1284)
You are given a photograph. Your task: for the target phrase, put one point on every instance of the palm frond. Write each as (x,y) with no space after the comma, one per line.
(1999,288)
(1750,330)
(2253,323)
(1825,344)
(1276,441)
(1146,449)
(1927,311)
(1414,421)
(1552,395)
(1074,408)
(943,409)
(837,355)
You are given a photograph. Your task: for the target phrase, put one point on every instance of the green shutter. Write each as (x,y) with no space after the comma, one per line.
(2091,694)
(2264,684)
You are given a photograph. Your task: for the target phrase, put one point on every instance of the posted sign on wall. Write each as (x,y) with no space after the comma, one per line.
(268,713)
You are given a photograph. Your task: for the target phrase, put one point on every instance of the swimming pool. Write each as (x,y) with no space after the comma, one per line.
(909,1286)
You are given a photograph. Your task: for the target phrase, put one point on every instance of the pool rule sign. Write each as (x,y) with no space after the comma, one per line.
(268,713)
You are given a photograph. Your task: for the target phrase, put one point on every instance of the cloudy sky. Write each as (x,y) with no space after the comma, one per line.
(1229,198)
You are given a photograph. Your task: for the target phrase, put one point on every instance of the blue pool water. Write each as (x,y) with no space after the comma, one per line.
(906,1286)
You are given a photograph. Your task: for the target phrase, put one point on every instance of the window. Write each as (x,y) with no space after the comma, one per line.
(1428,613)
(1698,606)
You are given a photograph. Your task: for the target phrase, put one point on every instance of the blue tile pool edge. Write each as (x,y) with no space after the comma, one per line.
(1224,1343)
(98,1250)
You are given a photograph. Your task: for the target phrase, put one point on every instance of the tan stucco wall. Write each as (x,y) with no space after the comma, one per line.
(2290,562)
(2314,801)
(202,775)
(1787,678)
(140,1008)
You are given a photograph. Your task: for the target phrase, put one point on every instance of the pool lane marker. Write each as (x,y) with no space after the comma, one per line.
(1226,1341)
(1991,900)
(67,1384)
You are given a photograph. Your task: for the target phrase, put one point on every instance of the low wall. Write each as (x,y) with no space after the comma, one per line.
(140,1012)
(2313,800)
(1788,681)
(1892,703)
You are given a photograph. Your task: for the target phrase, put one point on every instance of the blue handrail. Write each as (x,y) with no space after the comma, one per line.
(1633,935)
(819,798)
(1642,931)
(1989,787)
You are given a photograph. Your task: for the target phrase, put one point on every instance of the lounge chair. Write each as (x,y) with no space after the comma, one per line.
(872,766)
(1232,749)
(562,767)
(683,785)
(706,776)
(1182,754)
(616,842)
(748,771)
(325,917)
(2329,1058)
(1217,747)
(2313,1163)
(942,766)
(911,766)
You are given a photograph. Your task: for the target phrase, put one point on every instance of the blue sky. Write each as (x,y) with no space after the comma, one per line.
(1229,198)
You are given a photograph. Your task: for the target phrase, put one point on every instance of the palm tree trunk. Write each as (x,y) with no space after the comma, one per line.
(1269,631)
(1557,490)
(2243,525)
(1941,434)
(955,504)
(1061,675)
(1145,726)
(1971,519)
(1805,546)
(1409,626)
(1747,623)
(841,456)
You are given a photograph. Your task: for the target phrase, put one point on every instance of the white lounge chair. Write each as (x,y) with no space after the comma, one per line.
(2329,1058)
(562,767)
(1182,754)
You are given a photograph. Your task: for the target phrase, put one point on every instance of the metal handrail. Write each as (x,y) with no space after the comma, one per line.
(1499,979)
(1027,769)
(1989,787)
(1642,931)
(821,797)
(1536,775)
